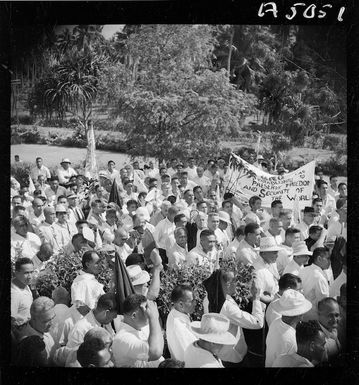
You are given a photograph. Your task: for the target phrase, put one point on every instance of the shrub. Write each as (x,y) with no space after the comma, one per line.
(194,276)
(332,142)
(63,269)
(22,119)
(21,173)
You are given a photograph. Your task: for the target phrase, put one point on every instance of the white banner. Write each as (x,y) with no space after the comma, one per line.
(91,165)
(245,180)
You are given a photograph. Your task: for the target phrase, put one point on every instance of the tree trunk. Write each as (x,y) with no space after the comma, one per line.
(230,53)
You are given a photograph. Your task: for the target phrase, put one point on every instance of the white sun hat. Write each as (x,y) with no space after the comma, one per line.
(300,248)
(137,275)
(65,160)
(143,212)
(224,217)
(268,244)
(292,303)
(213,328)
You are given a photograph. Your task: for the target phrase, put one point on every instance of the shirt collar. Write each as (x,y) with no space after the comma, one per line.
(179,314)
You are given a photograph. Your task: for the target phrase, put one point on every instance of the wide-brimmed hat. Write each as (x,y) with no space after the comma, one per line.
(143,212)
(224,217)
(213,328)
(292,303)
(61,209)
(300,248)
(65,160)
(260,157)
(137,275)
(268,244)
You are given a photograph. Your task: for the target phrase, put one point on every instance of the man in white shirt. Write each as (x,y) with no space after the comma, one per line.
(247,251)
(286,217)
(23,242)
(65,172)
(281,335)
(85,289)
(206,252)
(54,191)
(301,256)
(178,331)
(74,211)
(201,180)
(20,293)
(159,215)
(224,224)
(40,169)
(328,200)
(337,227)
(266,273)
(111,172)
(47,231)
(333,188)
(172,170)
(187,204)
(328,317)
(35,214)
(191,169)
(315,282)
(275,229)
(285,255)
(286,281)
(185,182)
(121,245)
(139,340)
(308,219)
(212,333)
(177,253)
(165,228)
(64,230)
(231,250)
(310,348)
(42,315)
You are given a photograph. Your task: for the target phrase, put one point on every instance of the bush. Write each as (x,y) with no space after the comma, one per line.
(22,119)
(63,269)
(336,165)
(21,173)
(194,276)
(332,142)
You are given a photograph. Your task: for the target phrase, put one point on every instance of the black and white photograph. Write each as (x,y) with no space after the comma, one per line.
(178,194)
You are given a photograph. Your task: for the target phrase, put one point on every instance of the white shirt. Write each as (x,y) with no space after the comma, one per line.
(336,229)
(64,233)
(293,268)
(86,290)
(239,319)
(130,348)
(123,251)
(277,238)
(280,340)
(76,336)
(65,175)
(69,324)
(329,205)
(192,172)
(43,170)
(293,360)
(179,334)
(304,230)
(163,230)
(246,253)
(24,247)
(52,196)
(315,287)
(202,181)
(271,314)
(285,256)
(267,276)
(230,251)
(334,289)
(21,300)
(62,312)
(47,234)
(198,256)
(176,255)
(196,357)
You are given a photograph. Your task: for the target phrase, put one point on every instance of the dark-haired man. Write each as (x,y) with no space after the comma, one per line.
(308,219)
(285,255)
(139,340)
(40,169)
(206,252)
(178,332)
(315,281)
(328,200)
(247,251)
(54,191)
(310,348)
(20,293)
(85,289)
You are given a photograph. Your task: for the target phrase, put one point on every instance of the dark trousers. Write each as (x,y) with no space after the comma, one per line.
(163,256)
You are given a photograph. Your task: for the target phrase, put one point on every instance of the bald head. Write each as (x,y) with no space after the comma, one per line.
(121,236)
(50,214)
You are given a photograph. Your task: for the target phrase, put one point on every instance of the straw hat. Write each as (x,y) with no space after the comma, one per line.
(292,303)
(224,217)
(300,248)
(65,160)
(213,328)
(143,212)
(268,244)
(137,275)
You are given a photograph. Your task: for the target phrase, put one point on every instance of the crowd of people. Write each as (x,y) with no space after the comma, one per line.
(156,219)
